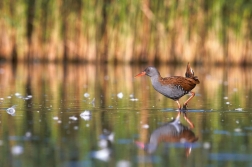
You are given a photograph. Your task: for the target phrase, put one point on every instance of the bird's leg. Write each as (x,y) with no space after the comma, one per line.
(188,151)
(185,104)
(179,113)
(179,106)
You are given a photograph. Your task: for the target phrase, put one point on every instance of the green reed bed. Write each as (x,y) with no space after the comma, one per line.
(126,31)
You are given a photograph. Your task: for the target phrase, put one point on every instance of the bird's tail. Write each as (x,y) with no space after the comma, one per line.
(190,74)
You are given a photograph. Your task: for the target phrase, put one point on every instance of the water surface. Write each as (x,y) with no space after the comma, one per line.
(99,115)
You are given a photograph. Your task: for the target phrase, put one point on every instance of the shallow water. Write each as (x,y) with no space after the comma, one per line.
(94,115)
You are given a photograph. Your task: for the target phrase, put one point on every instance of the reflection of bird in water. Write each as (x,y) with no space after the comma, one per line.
(171,132)
(173,87)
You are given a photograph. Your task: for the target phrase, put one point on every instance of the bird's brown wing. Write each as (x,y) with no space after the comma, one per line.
(186,83)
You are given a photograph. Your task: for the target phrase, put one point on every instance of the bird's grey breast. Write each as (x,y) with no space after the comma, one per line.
(168,90)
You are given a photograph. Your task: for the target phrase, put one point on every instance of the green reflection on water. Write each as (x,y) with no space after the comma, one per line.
(47,129)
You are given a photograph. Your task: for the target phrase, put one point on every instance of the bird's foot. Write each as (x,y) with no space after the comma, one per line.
(184,107)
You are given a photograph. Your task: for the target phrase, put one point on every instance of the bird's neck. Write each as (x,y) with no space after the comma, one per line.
(155,78)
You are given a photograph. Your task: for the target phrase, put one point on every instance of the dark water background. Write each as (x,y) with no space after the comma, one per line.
(99,115)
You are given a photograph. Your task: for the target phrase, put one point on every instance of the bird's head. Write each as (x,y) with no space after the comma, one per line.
(150,71)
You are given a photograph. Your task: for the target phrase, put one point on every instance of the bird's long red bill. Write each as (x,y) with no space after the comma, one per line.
(140,74)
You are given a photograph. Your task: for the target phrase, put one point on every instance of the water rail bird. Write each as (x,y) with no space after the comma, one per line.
(173,87)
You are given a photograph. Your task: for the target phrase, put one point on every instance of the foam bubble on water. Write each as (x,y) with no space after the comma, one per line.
(206,145)
(103,143)
(86,112)
(145,126)
(28,134)
(133,99)
(225,97)
(111,137)
(17,94)
(55,118)
(86,94)
(238,109)
(123,163)
(86,115)
(27,97)
(103,154)
(17,150)
(237,129)
(120,95)
(227,102)
(73,118)
(11,110)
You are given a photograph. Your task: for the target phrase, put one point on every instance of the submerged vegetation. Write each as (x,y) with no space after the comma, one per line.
(126,31)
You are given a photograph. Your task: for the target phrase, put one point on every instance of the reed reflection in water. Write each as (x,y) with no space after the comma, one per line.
(47,129)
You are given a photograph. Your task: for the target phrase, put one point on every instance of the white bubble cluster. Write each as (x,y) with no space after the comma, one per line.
(120,95)
(11,110)
(86,115)
(86,94)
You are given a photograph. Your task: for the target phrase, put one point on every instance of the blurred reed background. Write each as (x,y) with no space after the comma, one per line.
(128,31)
